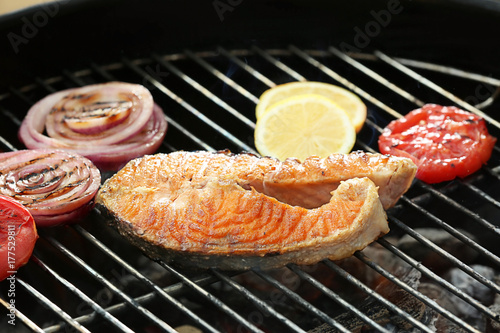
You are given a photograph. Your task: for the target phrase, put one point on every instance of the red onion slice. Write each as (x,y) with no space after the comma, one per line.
(54,185)
(145,142)
(108,123)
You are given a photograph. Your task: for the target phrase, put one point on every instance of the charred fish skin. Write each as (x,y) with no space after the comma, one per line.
(177,207)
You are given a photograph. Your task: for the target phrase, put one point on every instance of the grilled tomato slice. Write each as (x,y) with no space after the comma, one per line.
(443,141)
(18,236)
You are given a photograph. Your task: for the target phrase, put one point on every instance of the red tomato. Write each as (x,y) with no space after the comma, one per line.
(444,142)
(18,236)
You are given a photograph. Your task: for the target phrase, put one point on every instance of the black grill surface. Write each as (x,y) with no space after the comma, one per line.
(87,278)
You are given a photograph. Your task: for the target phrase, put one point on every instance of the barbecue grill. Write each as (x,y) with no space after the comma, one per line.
(438,268)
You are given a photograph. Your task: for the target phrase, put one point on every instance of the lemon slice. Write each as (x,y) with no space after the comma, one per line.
(303,126)
(352,104)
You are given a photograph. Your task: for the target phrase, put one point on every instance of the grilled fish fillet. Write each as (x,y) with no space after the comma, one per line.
(202,209)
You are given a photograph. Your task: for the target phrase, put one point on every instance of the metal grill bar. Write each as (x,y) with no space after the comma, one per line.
(171,122)
(414,292)
(222,77)
(144,279)
(12,117)
(446,255)
(479,192)
(443,253)
(344,81)
(7,144)
(351,279)
(96,307)
(458,73)
(278,64)
(45,85)
(173,290)
(190,108)
(257,301)
(435,87)
(205,91)
(135,305)
(487,225)
(483,195)
(448,70)
(335,297)
(299,300)
(214,300)
(375,76)
(45,301)
(452,231)
(104,73)
(246,67)
(432,67)
(73,78)
(433,276)
(20,95)
(31,325)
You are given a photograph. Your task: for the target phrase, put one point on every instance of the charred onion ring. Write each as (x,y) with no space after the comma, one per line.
(54,185)
(18,236)
(109,123)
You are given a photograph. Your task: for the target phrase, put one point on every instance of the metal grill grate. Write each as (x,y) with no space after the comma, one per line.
(85,277)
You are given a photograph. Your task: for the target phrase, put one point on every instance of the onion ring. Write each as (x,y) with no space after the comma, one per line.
(54,185)
(109,123)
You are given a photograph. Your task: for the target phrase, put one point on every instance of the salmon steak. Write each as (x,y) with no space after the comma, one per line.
(203,210)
